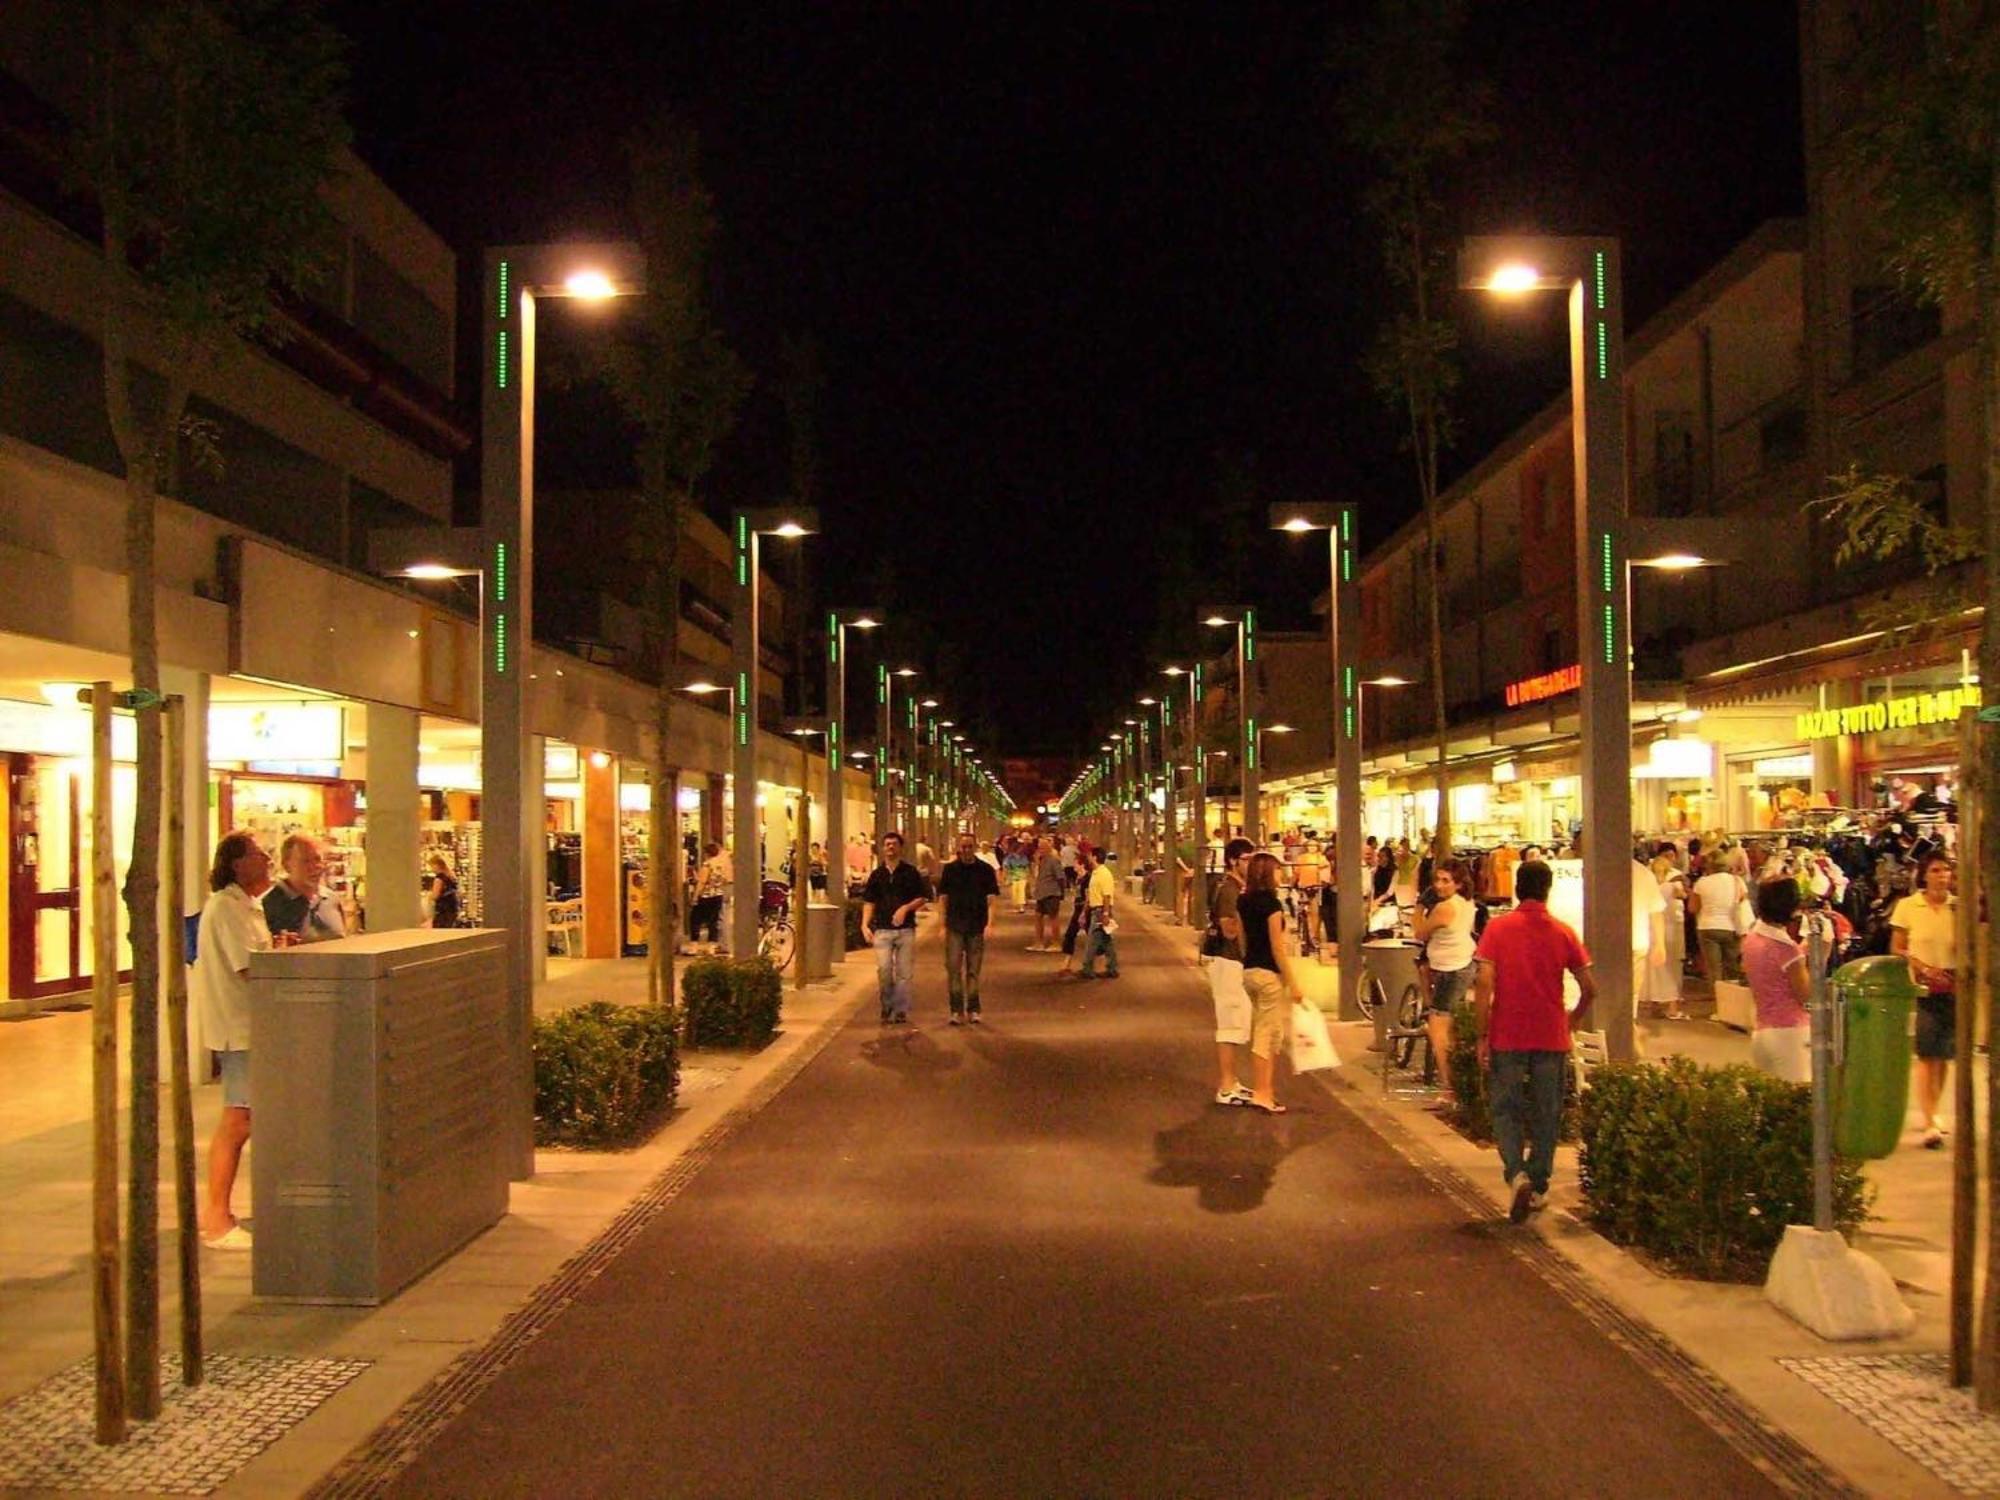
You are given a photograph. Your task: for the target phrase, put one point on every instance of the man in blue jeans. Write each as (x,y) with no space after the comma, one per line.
(1100,887)
(967,889)
(895,893)
(1524,1031)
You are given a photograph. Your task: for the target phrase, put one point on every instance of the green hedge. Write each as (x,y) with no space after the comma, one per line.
(1704,1167)
(604,1072)
(1474,1115)
(731,1002)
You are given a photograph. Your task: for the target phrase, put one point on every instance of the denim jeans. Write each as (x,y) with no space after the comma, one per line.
(1098,942)
(895,965)
(1527,1088)
(963,954)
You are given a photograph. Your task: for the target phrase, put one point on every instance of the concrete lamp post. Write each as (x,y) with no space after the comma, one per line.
(803,730)
(839,620)
(1343,636)
(1244,618)
(1198,810)
(885,746)
(748,528)
(1587,271)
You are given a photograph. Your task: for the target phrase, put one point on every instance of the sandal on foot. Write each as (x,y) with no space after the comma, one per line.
(1273,1108)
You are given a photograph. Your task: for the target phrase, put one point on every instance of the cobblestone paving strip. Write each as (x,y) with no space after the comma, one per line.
(1904,1398)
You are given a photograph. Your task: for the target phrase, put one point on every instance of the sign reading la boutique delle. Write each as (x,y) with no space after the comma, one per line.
(1940,707)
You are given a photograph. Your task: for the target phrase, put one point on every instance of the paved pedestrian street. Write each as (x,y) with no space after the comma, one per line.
(1031,1258)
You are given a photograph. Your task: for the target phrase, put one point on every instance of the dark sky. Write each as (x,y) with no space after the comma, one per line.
(1068,263)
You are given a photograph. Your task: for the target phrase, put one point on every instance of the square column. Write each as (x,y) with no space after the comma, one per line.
(395,881)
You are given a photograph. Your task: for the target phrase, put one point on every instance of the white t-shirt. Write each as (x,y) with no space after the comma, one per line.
(1933,930)
(232,928)
(1449,946)
(1718,893)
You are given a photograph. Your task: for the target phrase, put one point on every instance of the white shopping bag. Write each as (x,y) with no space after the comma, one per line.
(1232,1001)
(1312,1046)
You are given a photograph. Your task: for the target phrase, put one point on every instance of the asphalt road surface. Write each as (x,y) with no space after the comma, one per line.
(1033,1259)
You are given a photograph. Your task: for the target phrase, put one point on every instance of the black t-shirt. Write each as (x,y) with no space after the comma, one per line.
(1255,910)
(889,891)
(966,885)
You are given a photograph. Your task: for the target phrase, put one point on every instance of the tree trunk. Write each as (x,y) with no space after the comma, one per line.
(1986,1369)
(1424,437)
(663,926)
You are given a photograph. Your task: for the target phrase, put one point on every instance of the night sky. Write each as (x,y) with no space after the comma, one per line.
(1070,265)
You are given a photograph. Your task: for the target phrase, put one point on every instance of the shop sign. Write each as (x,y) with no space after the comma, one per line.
(1548,685)
(559,763)
(1908,712)
(42,729)
(275,731)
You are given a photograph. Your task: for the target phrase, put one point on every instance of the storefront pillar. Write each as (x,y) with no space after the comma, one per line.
(534,837)
(394,879)
(602,883)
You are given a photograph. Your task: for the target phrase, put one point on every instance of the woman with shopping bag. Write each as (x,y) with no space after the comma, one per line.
(1222,946)
(1269,977)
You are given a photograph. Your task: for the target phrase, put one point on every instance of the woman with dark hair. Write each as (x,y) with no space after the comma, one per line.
(1267,975)
(232,928)
(711,884)
(1774,966)
(1925,931)
(1445,930)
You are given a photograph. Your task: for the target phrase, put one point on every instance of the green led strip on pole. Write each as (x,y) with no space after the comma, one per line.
(833,639)
(1603,350)
(742,708)
(1610,637)
(500,644)
(500,359)
(500,572)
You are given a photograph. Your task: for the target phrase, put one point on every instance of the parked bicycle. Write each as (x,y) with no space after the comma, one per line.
(777,939)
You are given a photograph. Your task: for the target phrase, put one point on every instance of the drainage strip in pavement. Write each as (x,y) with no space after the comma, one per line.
(201,1438)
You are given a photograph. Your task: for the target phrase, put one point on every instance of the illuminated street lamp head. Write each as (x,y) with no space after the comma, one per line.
(786,521)
(1388,681)
(589,286)
(928,703)
(431,570)
(788,528)
(1513,278)
(1671,562)
(1148,702)
(704,687)
(904,672)
(1175,671)
(1217,620)
(1296,524)
(1278,729)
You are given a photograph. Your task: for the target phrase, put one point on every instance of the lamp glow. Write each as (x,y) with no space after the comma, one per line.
(1513,279)
(1386,681)
(1297,525)
(430,571)
(788,529)
(590,286)
(704,687)
(1671,562)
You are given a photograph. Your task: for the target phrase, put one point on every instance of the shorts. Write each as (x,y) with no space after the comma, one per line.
(235,1079)
(1048,906)
(1269,1013)
(1447,989)
(1937,1027)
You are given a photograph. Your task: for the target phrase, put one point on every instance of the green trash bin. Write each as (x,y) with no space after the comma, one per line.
(1871,1085)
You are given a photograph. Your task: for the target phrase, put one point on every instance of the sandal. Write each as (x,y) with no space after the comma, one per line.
(1273,1108)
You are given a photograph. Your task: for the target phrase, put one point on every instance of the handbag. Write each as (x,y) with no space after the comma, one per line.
(1232,1000)
(1312,1045)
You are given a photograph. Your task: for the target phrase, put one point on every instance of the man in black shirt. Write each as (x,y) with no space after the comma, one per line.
(895,893)
(967,888)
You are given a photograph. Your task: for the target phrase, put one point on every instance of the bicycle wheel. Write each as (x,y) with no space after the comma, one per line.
(776,943)
(1410,1013)
(1368,994)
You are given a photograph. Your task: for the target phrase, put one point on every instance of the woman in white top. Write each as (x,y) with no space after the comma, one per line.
(232,928)
(1715,901)
(1446,933)
(1925,930)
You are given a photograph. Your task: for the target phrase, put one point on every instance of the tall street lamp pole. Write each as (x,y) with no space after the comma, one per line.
(1170,856)
(1587,269)
(748,528)
(839,621)
(1197,755)
(1244,618)
(1343,633)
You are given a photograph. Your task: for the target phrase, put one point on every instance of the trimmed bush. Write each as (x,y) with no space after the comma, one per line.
(1474,1116)
(604,1072)
(1703,1168)
(731,1002)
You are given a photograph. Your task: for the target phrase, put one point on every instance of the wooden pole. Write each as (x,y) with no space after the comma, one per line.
(180,1064)
(142,1200)
(802,866)
(1965,1142)
(104,1077)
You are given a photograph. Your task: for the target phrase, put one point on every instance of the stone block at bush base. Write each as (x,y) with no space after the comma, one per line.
(1833,1289)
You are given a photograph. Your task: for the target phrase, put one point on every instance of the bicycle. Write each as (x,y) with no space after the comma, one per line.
(777,939)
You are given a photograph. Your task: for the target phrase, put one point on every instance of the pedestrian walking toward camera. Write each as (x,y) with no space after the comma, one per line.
(1445,929)
(1924,929)
(895,893)
(967,890)
(1048,887)
(1524,1031)
(1100,890)
(1223,947)
(1273,984)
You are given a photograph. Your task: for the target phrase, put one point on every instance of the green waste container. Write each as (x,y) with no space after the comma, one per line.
(1871,1087)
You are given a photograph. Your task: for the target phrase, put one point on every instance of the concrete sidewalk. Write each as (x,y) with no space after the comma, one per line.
(573,1196)
(1730,1329)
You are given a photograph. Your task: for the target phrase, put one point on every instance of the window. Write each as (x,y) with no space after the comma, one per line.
(1782,437)
(52,388)
(1673,463)
(1888,322)
(266,485)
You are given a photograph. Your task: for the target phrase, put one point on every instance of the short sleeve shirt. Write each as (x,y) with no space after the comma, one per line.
(1933,930)
(889,889)
(1103,886)
(966,885)
(1768,952)
(1227,899)
(1048,877)
(232,928)
(1530,951)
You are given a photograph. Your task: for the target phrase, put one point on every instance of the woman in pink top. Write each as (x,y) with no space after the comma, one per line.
(1774,965)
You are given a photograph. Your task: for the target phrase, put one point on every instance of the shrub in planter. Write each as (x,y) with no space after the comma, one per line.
(604,1072)
(1474,1115)
(1704,1167)
(731,1002)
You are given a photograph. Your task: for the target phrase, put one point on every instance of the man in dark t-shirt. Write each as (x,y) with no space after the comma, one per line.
(895,893)
(967,888)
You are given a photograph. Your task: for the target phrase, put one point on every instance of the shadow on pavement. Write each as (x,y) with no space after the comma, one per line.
(912,1053)
(1230,1156)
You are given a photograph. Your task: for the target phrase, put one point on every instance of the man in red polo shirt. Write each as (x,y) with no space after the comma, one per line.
(1524,1030)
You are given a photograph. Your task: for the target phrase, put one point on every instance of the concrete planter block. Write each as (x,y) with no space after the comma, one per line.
(1833,1289)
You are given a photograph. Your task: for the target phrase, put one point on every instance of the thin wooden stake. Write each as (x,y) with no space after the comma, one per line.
(1965,1138)
(142,1201)
(104,1078)
(180,1064)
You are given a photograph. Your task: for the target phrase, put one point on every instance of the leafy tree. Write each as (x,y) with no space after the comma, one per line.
(214,127)
(1926,146)
(1409,109)
(682,386)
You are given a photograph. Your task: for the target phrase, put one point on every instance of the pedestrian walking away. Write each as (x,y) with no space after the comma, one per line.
(1100,891)
(1048,887)
(1524,1031)
(967,890)
(895,893)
